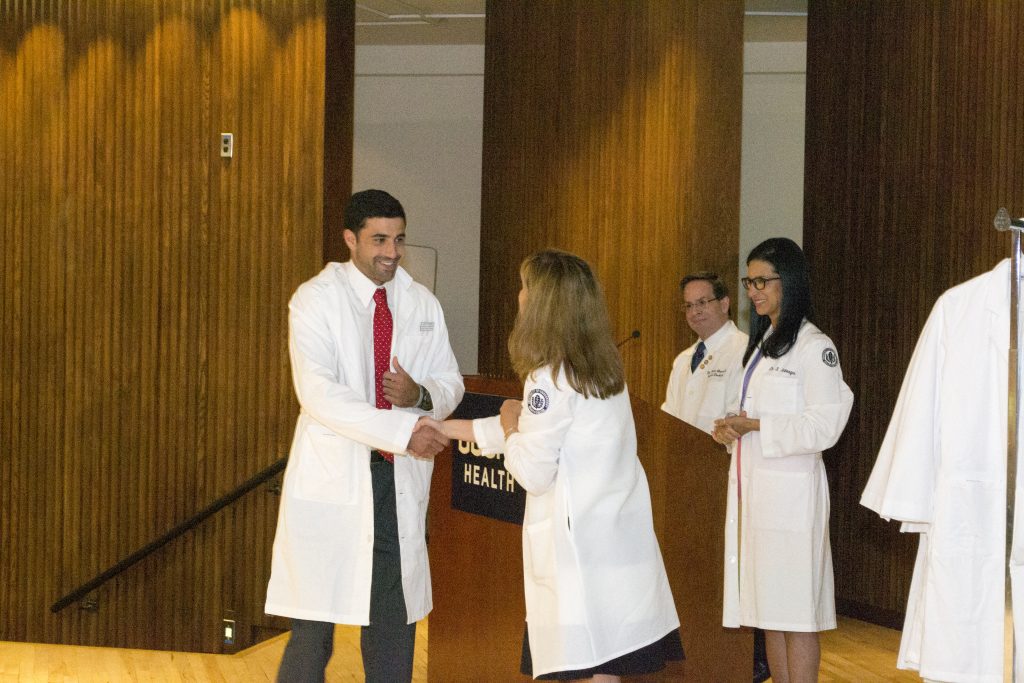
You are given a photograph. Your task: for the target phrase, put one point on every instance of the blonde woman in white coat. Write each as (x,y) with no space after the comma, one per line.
(598,603)
(793,405)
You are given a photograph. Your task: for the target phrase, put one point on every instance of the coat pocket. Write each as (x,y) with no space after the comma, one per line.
(779,396)
(782,500)
(540,551)
(712,405)
(326,468)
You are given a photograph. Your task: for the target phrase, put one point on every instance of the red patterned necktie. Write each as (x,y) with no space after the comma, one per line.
(382,327)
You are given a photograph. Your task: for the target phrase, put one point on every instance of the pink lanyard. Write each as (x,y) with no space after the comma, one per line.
(739,442)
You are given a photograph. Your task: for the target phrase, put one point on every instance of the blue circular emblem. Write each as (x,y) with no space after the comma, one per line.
(538,401)
(829,357)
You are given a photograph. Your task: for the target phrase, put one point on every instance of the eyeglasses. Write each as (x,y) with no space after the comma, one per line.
(757,282)
(699,305)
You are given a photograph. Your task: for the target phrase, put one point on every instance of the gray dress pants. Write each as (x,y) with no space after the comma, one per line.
(388,642)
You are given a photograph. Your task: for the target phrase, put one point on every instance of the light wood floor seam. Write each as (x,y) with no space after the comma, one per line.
(855,652)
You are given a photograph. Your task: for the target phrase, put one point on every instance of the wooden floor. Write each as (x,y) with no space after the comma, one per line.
(862,652)
(855,652)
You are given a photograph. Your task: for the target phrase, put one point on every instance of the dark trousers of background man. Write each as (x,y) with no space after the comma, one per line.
(388,642)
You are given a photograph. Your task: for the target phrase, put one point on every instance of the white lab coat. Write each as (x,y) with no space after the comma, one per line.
(699,398)
(941,471)
(779,576)
(595,582)
(323,550)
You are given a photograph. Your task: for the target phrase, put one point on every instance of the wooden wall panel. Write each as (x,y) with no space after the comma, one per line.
(145,280)
(915,137)
(611,129)
(32,366)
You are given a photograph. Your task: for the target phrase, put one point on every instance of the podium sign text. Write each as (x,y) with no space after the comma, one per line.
(480,483)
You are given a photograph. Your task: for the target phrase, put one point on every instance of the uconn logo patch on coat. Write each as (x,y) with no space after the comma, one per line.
(829,357)
(538,401)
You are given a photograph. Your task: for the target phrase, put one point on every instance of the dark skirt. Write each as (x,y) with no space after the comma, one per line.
(646,660)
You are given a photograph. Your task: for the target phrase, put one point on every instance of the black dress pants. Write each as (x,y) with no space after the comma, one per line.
(388,642)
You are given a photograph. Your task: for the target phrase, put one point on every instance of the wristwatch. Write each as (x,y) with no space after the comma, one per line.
(425,403)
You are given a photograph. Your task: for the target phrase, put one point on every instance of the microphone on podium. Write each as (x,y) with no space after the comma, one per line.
(635,334)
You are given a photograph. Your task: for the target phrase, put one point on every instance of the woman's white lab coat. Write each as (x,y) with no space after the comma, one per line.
(323,549)
(595,582)
(779,576)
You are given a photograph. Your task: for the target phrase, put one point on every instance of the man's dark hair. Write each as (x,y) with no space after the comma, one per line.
(371,204)
(717,286)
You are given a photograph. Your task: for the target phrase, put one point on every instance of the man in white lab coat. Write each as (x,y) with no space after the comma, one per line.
(370,356)
(705,377)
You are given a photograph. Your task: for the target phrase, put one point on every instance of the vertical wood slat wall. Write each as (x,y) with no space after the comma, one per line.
(145,280)
(915,137)
(612,130)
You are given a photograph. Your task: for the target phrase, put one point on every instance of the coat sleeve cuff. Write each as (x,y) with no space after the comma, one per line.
(488,435)
(403,432)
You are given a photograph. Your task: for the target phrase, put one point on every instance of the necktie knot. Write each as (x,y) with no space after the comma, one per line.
(381,296)
(698,356)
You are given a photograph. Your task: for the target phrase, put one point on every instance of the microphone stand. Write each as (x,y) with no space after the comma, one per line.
(635,334)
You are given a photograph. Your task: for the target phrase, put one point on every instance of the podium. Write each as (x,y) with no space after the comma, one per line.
(476,627)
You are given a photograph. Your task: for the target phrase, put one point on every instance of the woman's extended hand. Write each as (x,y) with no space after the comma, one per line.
(426,421)
(427,439)
(510,411)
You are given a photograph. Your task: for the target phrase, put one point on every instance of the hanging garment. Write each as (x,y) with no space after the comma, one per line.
(942,472)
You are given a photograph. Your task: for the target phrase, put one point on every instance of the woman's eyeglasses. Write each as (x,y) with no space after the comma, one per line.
(757,282)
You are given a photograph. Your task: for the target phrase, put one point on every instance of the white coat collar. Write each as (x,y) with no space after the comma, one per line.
(720,336)
(364,287)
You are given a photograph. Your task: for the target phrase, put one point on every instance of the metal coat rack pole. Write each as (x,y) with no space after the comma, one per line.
(1003,222)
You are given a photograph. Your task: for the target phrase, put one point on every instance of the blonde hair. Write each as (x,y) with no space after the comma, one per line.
(564,324)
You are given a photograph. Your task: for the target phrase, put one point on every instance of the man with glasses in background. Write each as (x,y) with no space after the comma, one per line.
(706,377)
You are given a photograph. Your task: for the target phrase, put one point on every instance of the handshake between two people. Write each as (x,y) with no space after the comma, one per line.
(428,439)
(401,390)
(430,436)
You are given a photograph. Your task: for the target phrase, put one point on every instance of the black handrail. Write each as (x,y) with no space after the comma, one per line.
(153,546)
